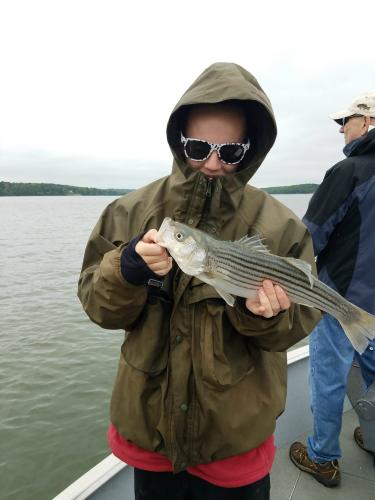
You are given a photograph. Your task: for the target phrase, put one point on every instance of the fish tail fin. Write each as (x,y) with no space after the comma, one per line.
(359,328)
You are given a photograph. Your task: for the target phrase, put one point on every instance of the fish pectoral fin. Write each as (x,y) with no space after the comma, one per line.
(229,299)
(253,243)
(303,266)
(207,278)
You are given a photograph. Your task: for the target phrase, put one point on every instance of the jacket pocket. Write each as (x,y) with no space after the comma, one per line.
(146,346)
(226,356)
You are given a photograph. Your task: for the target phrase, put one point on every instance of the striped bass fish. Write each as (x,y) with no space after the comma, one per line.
(238,268)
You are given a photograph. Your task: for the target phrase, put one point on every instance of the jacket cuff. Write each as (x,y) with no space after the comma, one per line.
(133,268)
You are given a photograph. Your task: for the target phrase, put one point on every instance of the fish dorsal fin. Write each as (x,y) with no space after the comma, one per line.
(302,266)
(253,243)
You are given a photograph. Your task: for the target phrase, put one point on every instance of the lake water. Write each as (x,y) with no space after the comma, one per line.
(56,367)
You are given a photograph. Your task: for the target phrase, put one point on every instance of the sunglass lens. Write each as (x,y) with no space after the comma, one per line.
(232,153)
(197,150)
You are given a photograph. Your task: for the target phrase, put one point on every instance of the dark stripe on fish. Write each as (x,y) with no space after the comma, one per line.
(259,266)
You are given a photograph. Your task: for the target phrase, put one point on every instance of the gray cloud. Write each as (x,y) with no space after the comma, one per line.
(78,119)
(39,166)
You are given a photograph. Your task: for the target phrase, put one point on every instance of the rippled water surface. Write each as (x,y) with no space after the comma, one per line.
(56,367)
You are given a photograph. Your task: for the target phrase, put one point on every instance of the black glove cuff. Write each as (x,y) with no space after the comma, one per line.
(133,268)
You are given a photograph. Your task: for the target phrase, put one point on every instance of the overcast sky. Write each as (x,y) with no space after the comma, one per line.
(87,86)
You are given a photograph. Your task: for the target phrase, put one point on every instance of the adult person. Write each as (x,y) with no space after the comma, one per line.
(341,220)
(200,384)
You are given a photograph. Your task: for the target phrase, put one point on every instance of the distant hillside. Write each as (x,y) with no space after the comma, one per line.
(43,189)
(295,189)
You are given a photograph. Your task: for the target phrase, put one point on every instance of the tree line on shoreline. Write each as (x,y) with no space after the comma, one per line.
(293,189)
(47,189)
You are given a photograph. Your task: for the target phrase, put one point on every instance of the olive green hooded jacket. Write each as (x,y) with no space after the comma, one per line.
(198,380)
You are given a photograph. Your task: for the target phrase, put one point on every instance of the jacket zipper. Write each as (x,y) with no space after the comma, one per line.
(209,186)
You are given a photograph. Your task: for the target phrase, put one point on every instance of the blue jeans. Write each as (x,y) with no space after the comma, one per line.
(331,357)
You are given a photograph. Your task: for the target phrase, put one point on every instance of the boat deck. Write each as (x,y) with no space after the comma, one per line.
(357,472)
(111,479)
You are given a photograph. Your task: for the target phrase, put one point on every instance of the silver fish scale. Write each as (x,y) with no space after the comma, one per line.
(246,269)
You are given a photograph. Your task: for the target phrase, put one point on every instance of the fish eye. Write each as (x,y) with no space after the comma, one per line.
(179,236)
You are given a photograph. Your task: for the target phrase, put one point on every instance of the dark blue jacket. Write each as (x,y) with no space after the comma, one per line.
(341,220)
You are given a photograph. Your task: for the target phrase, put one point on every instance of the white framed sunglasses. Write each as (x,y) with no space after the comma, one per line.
(229,152)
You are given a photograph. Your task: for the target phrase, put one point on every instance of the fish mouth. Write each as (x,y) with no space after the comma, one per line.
(160,235)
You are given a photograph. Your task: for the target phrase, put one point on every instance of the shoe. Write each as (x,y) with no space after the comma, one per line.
(358,438)
(327,473)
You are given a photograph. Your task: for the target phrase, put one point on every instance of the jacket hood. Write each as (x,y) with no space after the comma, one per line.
(222,82)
